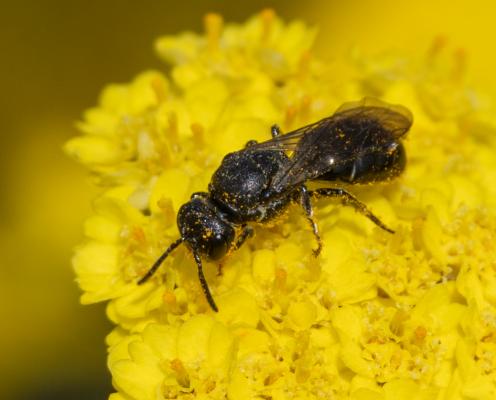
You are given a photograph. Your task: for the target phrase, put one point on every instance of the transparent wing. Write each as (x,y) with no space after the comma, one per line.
(354,130)
(290,141)
(394,118)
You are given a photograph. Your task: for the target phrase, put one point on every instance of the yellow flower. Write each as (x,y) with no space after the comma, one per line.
(376,316)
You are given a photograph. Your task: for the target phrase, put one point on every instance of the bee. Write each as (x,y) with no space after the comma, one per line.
(359,144)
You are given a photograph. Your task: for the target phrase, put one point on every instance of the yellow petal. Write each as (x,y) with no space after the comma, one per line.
(351,355)
(263,266)
(239,387)
(408,389)
(96,150)
(220,349)
(238,308)
(162,340)
(347,321)
(136,380)
(350,283)
(302,315)
(102,229)
(172,184)
(196,330)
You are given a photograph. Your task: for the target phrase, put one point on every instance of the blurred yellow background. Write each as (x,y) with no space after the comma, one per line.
(55,58)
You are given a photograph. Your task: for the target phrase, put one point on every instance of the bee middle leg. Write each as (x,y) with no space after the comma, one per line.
(349,200)
(305,201)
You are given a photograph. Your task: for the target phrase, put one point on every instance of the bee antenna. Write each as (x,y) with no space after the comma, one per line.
(160,260)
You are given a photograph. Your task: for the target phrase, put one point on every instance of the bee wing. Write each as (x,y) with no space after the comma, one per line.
(290,141)
(394,118)
(354,130)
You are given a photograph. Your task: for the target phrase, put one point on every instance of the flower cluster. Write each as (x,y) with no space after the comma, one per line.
(376,316)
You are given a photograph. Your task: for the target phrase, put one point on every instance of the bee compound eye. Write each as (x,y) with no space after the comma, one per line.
(218,247)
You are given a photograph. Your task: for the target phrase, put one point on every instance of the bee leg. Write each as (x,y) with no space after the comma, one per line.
(250,143)
(349,200)
(199,195)
(204,283)
(245,234)
(275,130)
(219,269)
(305,200)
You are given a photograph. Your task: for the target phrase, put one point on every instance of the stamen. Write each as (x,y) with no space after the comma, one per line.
(213,27)
(268,15)
(198,133)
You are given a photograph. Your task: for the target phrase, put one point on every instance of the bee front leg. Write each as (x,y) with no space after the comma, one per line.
(349,200)
(305,201)
(247,231)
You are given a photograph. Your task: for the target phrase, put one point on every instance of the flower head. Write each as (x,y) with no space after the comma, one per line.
(376,316)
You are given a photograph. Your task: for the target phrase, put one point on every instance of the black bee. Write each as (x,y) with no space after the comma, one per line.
(359,143)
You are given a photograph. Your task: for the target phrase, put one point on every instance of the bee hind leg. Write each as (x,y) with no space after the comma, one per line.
(349,200)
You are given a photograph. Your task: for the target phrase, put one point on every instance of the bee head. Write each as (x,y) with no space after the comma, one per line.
(204,229)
